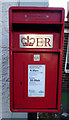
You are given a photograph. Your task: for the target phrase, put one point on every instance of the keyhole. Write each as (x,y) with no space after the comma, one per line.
(21,83)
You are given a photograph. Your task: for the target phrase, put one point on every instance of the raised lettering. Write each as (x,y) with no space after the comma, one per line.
(39,42)
(47,42)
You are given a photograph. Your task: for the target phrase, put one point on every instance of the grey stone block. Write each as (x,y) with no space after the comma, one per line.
(5,16)
(34,4)
(7,5)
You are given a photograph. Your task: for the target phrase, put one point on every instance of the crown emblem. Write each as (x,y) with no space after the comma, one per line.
(27,41)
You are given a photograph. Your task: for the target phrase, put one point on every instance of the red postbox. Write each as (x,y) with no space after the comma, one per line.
(36,50)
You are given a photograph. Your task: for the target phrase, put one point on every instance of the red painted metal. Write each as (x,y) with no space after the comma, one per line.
(35,20)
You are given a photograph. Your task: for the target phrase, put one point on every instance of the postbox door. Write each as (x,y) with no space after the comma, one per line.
(49,68)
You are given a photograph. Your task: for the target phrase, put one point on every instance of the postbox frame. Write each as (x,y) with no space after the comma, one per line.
(11,50)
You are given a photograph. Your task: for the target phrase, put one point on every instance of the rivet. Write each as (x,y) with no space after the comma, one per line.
(25,16)
(47,16)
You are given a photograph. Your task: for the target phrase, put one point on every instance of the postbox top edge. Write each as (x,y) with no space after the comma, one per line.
(36,8)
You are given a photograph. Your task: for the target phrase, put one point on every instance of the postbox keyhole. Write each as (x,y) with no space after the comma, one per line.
(21,83)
